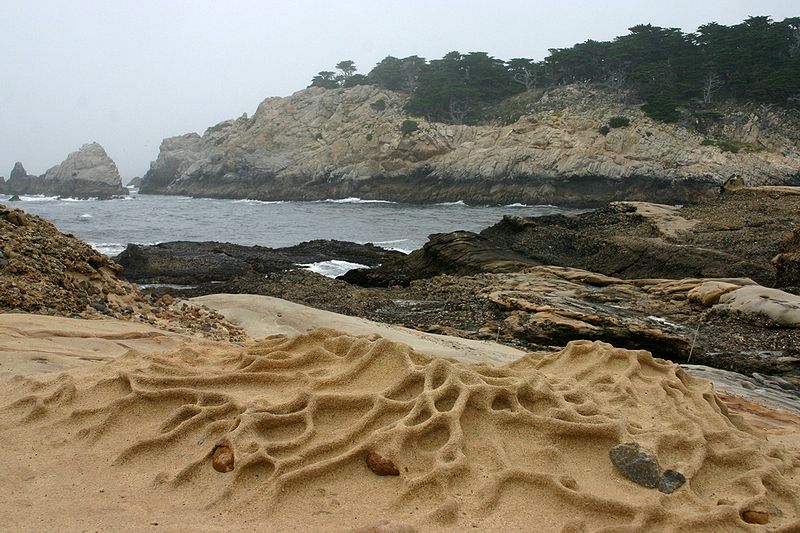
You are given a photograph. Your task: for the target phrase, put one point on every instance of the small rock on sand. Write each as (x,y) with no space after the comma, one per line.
(222,459)
(381,466)
(670,481)
(636,464)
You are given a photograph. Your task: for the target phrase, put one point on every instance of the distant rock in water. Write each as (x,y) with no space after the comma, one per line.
(86,173)
(339,143)
(18,172)
(135,182)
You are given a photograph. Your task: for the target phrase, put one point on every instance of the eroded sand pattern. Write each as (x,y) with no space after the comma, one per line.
(288,423)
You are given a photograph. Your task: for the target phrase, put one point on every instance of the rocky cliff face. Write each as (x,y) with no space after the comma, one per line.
(322,143)
(87,173)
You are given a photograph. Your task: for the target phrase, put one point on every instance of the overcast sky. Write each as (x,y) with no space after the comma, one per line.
(129,73)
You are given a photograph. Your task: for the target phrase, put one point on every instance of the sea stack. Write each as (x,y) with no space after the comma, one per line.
(86,173)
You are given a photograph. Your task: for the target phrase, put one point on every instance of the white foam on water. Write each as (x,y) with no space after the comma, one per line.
(354,200)
(38,198)
(452,204)
(112,249)
(68,199)
(85,217)
(392,245)
(333,268)
(109,248)
(255,202)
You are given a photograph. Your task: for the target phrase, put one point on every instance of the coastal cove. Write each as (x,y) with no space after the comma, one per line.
(109,225)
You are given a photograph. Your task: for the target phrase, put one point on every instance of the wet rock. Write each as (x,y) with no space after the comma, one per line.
(734,236)
(190,263)
(755,517)
(222,459)
(14,198)
(381,465)
(670,481)
(636,464)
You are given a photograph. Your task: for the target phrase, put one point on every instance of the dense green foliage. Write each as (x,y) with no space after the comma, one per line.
(665,69)
(408,127)
(619,122)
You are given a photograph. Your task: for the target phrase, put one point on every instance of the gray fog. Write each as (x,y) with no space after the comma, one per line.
(129,73)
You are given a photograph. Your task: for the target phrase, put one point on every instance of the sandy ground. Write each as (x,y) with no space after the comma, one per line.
(140,430)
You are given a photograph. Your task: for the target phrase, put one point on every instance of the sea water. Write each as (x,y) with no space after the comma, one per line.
(109,225)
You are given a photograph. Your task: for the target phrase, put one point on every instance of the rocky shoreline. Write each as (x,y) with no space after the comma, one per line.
(690,285)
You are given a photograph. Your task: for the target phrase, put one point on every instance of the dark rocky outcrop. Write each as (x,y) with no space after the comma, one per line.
(191,263)
(86,173)
(733,235)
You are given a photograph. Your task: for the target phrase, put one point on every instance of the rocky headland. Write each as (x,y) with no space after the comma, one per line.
(336,143)
(86,173)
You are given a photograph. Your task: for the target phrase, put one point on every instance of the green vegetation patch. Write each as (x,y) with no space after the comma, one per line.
(619,122)
(408,127)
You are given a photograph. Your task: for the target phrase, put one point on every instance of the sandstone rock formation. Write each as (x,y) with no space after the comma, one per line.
(86,173)
(322,143)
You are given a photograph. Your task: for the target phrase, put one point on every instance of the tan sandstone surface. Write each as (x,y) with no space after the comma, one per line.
(164,432)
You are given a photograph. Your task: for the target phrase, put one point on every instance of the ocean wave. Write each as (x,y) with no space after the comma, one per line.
(68,199)
(36,198)
(112,249)
(451,204)
(354,200)
(392,245)
(265,202)
(333,268)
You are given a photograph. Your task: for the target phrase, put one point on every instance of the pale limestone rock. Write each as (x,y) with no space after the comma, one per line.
(89,163)
(318,143)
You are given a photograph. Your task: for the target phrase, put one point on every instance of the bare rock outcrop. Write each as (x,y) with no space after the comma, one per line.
(44,271)
(18,171)
(86,173)
(321,143)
